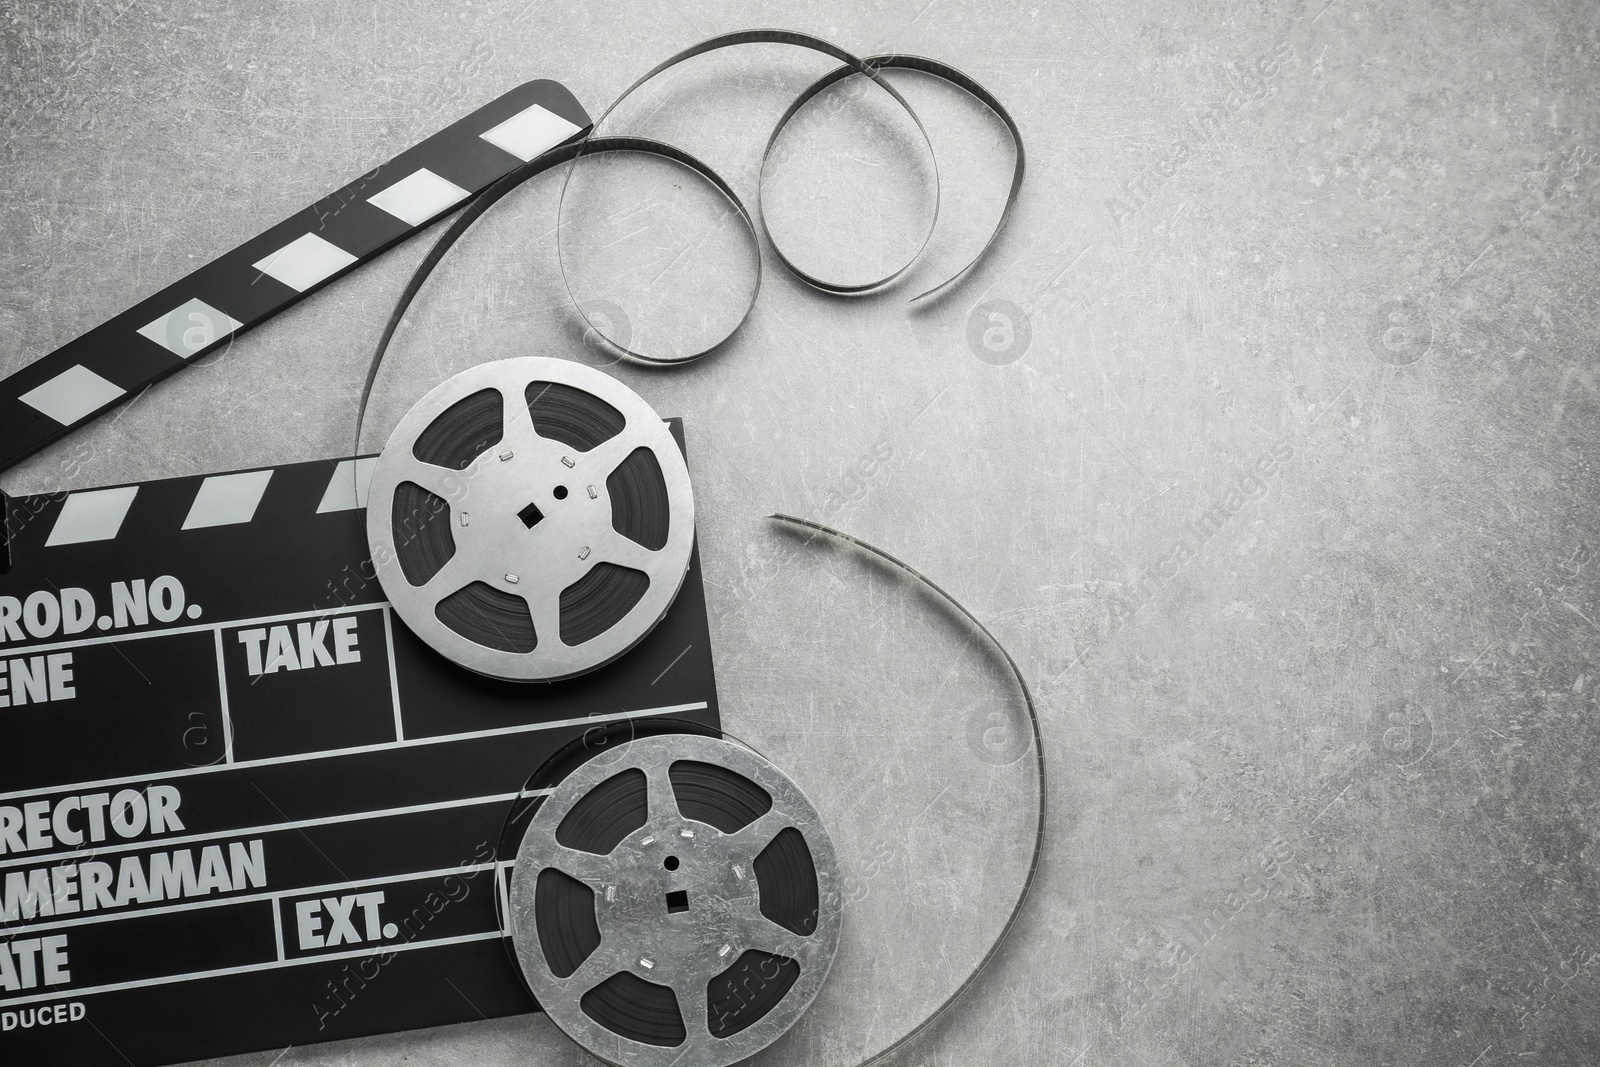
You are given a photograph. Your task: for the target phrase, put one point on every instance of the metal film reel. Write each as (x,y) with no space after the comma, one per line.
(531,519)
(676,900)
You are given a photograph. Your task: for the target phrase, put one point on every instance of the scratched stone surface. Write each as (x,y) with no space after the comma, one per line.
(1264,439)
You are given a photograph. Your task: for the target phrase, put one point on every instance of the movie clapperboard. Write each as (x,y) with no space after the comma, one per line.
(241,805)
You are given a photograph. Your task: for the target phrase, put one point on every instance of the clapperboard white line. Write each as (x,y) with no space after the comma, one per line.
(225,624)
(277,920)
(275,895)
(394,675)
(37,859)
(334,753)
(222,693)
(251,968)
(501,886)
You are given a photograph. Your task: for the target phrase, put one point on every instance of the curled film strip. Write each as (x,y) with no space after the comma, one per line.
(469,603)
(852,67)
(813,531)
(594,145)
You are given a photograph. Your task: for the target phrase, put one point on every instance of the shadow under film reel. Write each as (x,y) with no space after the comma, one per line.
(531,519)
(676,900)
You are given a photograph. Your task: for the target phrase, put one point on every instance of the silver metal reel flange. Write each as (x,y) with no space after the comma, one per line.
(686,949)
(497,547)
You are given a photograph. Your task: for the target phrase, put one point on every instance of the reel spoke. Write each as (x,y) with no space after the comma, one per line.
(594,871)
(691,993)
(664,817)
(625,552)
(457,572)
(546,613)
(603,459)
(520,436)
(767,936)
(442,482)
(750,840)
(602,963)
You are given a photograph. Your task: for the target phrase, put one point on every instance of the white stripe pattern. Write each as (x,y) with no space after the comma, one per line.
(304,262)
(530,132)
(227,499)
(347,489)
(95,515)
(190,327)
(418,197)
(72,394)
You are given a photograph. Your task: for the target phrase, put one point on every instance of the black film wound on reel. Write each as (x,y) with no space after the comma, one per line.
(498,619)
(675,899)
(531,519)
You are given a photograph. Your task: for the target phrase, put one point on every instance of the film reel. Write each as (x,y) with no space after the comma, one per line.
(676,900)
(531,519)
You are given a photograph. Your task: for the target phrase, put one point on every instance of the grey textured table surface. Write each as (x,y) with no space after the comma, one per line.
(1265,440)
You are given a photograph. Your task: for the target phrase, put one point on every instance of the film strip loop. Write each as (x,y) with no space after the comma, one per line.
(496,148)
(944,72)
(595,145)
(852,66)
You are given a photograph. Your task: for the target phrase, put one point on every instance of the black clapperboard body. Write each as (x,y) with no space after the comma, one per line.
(241,805)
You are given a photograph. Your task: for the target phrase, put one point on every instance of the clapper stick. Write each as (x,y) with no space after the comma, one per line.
(161,334)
